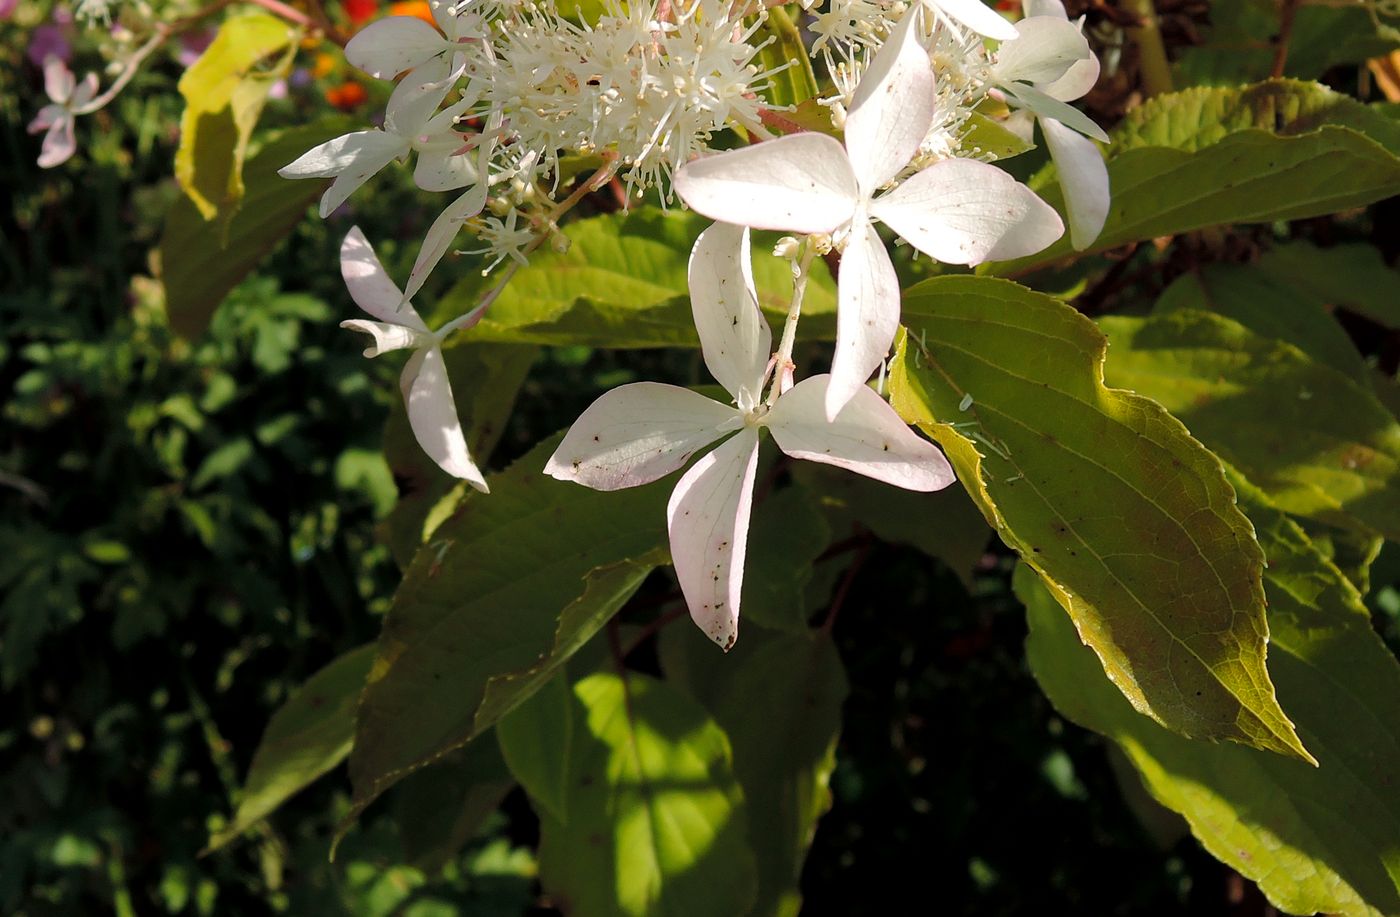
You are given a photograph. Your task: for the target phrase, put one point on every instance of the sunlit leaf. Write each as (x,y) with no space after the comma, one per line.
(1104,494)
(1316,839)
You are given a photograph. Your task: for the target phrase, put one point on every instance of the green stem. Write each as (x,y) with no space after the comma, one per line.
(1152,54)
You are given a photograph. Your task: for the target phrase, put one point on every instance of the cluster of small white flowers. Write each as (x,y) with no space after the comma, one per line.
(643,90)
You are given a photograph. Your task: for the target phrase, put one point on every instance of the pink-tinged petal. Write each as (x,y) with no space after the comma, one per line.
(387,336)
(370,285)
(432,413)
(734,337)
(1077,81)
(708,519)
(892,110)
(867,437)
(85,92)
(47,117)
(1045,47)
(1047,107)
(59,143)
(965,212)
(59,81)
(417,98)
(976,16)
(440,235)
(390,46)
(798,183)
(1084,179)
(867,314)
(637,433)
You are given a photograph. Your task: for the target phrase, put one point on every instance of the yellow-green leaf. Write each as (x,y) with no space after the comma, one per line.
(1125,516)
(224,93)
(1317,839)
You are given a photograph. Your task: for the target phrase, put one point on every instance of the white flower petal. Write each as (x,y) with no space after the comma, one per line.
(1048,107)
(734,337)
(867,437)
(390,46)
(892,110)
(440,235)
(47,117)
(1077,81)
(59,143)
(370,285)
(637,433)
(976,16)
(867,314)
(1031,8)
(1083,178)
(798,183)
(1044,48)
(965,212)
(58,79)
(442,166)
(388,336)
(708,519)
(375,156)
(432,413)
(348,152)
(85,92)
(417,98)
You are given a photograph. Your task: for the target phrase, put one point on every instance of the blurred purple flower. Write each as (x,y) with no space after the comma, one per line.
(7,7)
(49,40)
(193,44)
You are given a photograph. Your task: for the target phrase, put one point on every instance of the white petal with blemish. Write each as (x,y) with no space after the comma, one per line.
(390,46)
(892,109)
(708,520)
(867,437)
(798,183)
(867,314)
(637,433)
(965,212)
(734,337)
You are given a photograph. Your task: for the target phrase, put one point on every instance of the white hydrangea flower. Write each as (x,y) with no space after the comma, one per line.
(412,122)
(56,119)
(958,211)
(640,432)
(1048,65)
(390,46)
(427,393)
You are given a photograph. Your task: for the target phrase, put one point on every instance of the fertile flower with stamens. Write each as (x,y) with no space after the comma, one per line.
(636,433)
(958,211)
(427,393)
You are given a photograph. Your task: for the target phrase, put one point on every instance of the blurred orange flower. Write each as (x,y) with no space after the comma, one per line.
(347,96)
(417,8)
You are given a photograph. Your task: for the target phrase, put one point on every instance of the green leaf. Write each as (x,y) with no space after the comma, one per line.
(778,697)
(945,524)
(486,379)
(224,92)
(307,737)
(1315,839)
(1242,38)
(1105,494)
(985,135)
(441,807)
(656,823)
(1269,305)
(201,262)
(1278,150)
(535,739)
(795,83)
(1314,438)
(786,536)
(1352,276)
(504,593)
(622,283)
